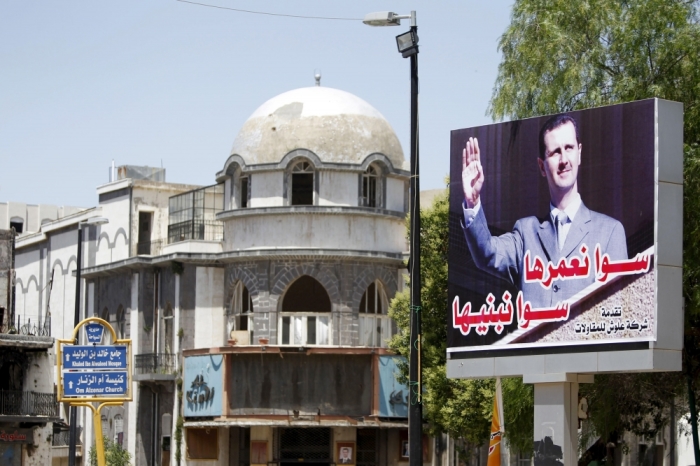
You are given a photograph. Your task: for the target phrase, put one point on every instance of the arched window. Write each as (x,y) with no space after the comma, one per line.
(121,322)
(375,326)
(305,318)
(371,195)
(301,183)
(104,315)
(239,186)
(240,314)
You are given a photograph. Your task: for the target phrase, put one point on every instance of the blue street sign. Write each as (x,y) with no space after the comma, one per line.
(94,332)
(95,383)
(94,357)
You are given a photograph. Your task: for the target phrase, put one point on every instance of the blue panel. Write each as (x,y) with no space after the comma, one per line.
(393,396)
(94,332)
(203,385)
(95,383)
(94,357)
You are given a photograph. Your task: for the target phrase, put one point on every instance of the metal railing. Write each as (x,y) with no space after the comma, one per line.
(149,248)
(61,439)
(155,363)
(19,403)
(207,230)
(23,325)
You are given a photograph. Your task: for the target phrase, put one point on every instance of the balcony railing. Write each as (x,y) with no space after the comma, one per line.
(207,230)
(24,325)
(155,363)
(149,248)
(18,403)
(61,439)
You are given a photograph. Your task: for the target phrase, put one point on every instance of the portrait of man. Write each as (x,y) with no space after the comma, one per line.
(345,453)
(569,228)
(552,229)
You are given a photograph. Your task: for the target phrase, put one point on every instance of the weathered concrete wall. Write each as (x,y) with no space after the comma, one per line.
(337,188)
(112,293)
(396,194)
(30,266)
(209,327)
(32,215)
(188,294)
(345,282)
(113,239)
(153,198)
(5,266)
(146,312)
(316,230)
(267,189)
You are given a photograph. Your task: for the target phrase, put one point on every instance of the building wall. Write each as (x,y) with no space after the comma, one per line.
(337,188)
(366,232)
(113,240)
(209,308)
(267,189)
(396,194)
(345,282)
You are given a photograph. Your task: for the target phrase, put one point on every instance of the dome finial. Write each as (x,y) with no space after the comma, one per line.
(317,76)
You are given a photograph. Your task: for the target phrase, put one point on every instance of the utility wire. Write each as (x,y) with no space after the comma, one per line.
(268,14)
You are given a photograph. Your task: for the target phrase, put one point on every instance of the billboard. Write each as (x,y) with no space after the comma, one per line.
(554,232)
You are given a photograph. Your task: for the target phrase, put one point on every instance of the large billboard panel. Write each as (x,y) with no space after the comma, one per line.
(553,233)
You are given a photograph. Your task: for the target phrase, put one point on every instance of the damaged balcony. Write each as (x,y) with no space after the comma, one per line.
(293,386)
(33,407)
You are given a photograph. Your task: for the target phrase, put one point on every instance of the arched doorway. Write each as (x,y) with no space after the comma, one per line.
(305,316)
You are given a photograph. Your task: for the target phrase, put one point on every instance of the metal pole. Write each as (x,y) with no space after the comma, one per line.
(415,410)
(73,432)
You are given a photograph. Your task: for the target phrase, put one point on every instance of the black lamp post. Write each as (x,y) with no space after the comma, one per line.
(408,46)
(73,423)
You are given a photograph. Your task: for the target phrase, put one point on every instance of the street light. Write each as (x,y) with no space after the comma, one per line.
(407,44)
(72,433)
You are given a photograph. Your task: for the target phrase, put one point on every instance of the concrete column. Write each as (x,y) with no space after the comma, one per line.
(176,351)
(134,335)
(556,416)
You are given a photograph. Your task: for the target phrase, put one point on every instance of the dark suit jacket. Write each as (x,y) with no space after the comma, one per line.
(503,255)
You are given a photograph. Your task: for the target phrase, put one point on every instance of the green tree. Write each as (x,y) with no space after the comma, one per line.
(561,55)
(115,454)
(461,408)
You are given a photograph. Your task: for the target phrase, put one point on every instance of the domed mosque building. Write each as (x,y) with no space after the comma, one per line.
(257,306)
(315,201)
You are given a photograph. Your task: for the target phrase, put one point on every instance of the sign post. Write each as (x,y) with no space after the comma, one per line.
(96,373)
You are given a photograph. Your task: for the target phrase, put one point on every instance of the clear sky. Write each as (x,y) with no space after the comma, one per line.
(162,81)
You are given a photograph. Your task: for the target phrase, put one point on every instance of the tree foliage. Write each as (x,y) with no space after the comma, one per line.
(115,454)
(461,408)
(559,56)
(563,55)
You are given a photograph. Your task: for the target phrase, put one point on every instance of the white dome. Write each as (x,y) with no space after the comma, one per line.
(335,125)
